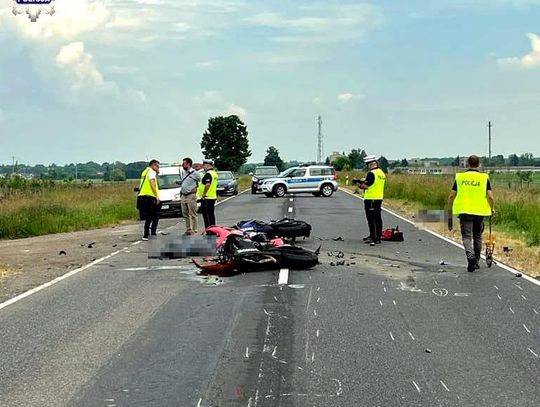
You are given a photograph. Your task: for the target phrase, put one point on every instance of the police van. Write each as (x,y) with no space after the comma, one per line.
(320,180)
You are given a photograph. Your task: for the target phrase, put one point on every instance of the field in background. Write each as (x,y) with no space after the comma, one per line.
(516,224)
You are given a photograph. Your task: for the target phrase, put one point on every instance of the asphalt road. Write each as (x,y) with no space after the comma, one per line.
(390,327)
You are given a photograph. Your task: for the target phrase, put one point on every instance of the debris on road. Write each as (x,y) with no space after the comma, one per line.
(338,239)
(90,245)
(62,253)
(428,350)
(443,263)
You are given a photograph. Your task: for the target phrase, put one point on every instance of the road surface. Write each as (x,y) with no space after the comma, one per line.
(390,327)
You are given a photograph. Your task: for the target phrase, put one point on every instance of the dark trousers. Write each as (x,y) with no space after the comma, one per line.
(373,209)
(207,209)
(472,227)
(149,212)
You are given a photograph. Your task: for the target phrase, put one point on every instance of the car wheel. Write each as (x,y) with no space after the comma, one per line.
(280,191)
(327,190)
(316,193)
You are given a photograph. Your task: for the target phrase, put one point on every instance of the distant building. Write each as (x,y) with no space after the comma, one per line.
(422,162)
(334,156)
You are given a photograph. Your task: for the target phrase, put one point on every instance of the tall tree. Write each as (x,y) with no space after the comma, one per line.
(383,163)
(226,142)
(513,160)
(273,158)
(355,158)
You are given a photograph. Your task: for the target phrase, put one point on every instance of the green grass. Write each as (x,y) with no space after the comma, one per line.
(61,209)
(517,211)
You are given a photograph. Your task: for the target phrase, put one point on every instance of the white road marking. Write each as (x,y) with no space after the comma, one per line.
(499,264)
(499,297)
(275,298)
(445,387)
(511,310)
(312,357)
(380,302)
(274,351)
(461,294)
(527,329)
(522,296)
(392,336)
(199,404)
(283,276)
(318,288)
(266,312)
(518,287)
(290,209)
(382,282)
(384,289)
(533,352)
(315,312)
(247,352)
(57,280)
(339,390)
(291,199)
(394,302)
(411,335)
(317,333)
(536,312)
(318,299)
(440,292)
(249,401)
(497,288)
(415,385)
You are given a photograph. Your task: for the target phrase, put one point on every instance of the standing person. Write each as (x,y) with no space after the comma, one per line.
(373,187)
(188,196)
(148,199)
(209,193)
(471,199)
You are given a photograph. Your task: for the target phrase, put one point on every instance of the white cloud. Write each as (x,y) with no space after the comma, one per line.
(236,110)
(348,97)
(206,64)
(83,72)
(528,61)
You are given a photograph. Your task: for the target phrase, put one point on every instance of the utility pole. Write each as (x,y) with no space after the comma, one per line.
(489,137)
(12,164)
(320,141)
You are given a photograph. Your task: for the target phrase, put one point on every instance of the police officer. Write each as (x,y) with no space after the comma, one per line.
(373,186)
(148,199)
(209,193)
(471,199)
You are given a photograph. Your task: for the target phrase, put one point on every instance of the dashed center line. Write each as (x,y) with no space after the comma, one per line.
(511,310)
(411,335)
(380,302)
(384,289)
(417,387)
(536,312)
(444,385)
(497,288)
(518,287)
(527,329)
(392,336)
(499,297)
(394,302)
(533,352)
(522,296)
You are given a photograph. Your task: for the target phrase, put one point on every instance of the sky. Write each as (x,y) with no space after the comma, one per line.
(130,80)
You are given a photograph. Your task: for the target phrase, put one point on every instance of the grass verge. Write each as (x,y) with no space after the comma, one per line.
(66,209)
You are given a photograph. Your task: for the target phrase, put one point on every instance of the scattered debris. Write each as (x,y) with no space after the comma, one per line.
(338,239)
(443,263)
(519,275)
(332,263)
(340,255)
(428,350)
(90,245)
(62,253)
(441,271)
(114,245)
(507,249)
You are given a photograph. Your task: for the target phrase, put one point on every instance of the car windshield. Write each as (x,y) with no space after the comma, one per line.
(225,175)
(266,171)
(168,181)
(286,173)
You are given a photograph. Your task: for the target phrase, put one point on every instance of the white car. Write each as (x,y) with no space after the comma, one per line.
(169,190)
(320,180)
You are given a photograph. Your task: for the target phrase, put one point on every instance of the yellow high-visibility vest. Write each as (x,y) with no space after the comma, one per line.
(200,188)
(471,195)
(144,187)
(212,191)
(376,190)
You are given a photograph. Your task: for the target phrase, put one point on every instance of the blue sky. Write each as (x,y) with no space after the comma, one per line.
(131,80)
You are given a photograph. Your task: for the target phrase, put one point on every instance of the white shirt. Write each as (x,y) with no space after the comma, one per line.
(151,174)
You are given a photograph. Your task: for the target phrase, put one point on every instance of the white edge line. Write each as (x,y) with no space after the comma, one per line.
(415,385)
(530,350)
(499,264)
(444,385)
(199,404)
(283,276)
(56,280)
(73,272)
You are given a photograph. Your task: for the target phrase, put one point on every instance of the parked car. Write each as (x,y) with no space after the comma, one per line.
(227,183)
(169,178)
(261,173)
(320,180)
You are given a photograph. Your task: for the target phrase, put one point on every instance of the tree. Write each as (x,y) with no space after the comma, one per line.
(404,163)
(342,164)
(118,175)
(513,160)
(383,163)
(355,158)
(226,142)
(107,173)
(273,158)
(526,159)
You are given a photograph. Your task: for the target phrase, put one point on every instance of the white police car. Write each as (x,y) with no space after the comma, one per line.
(320,180)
